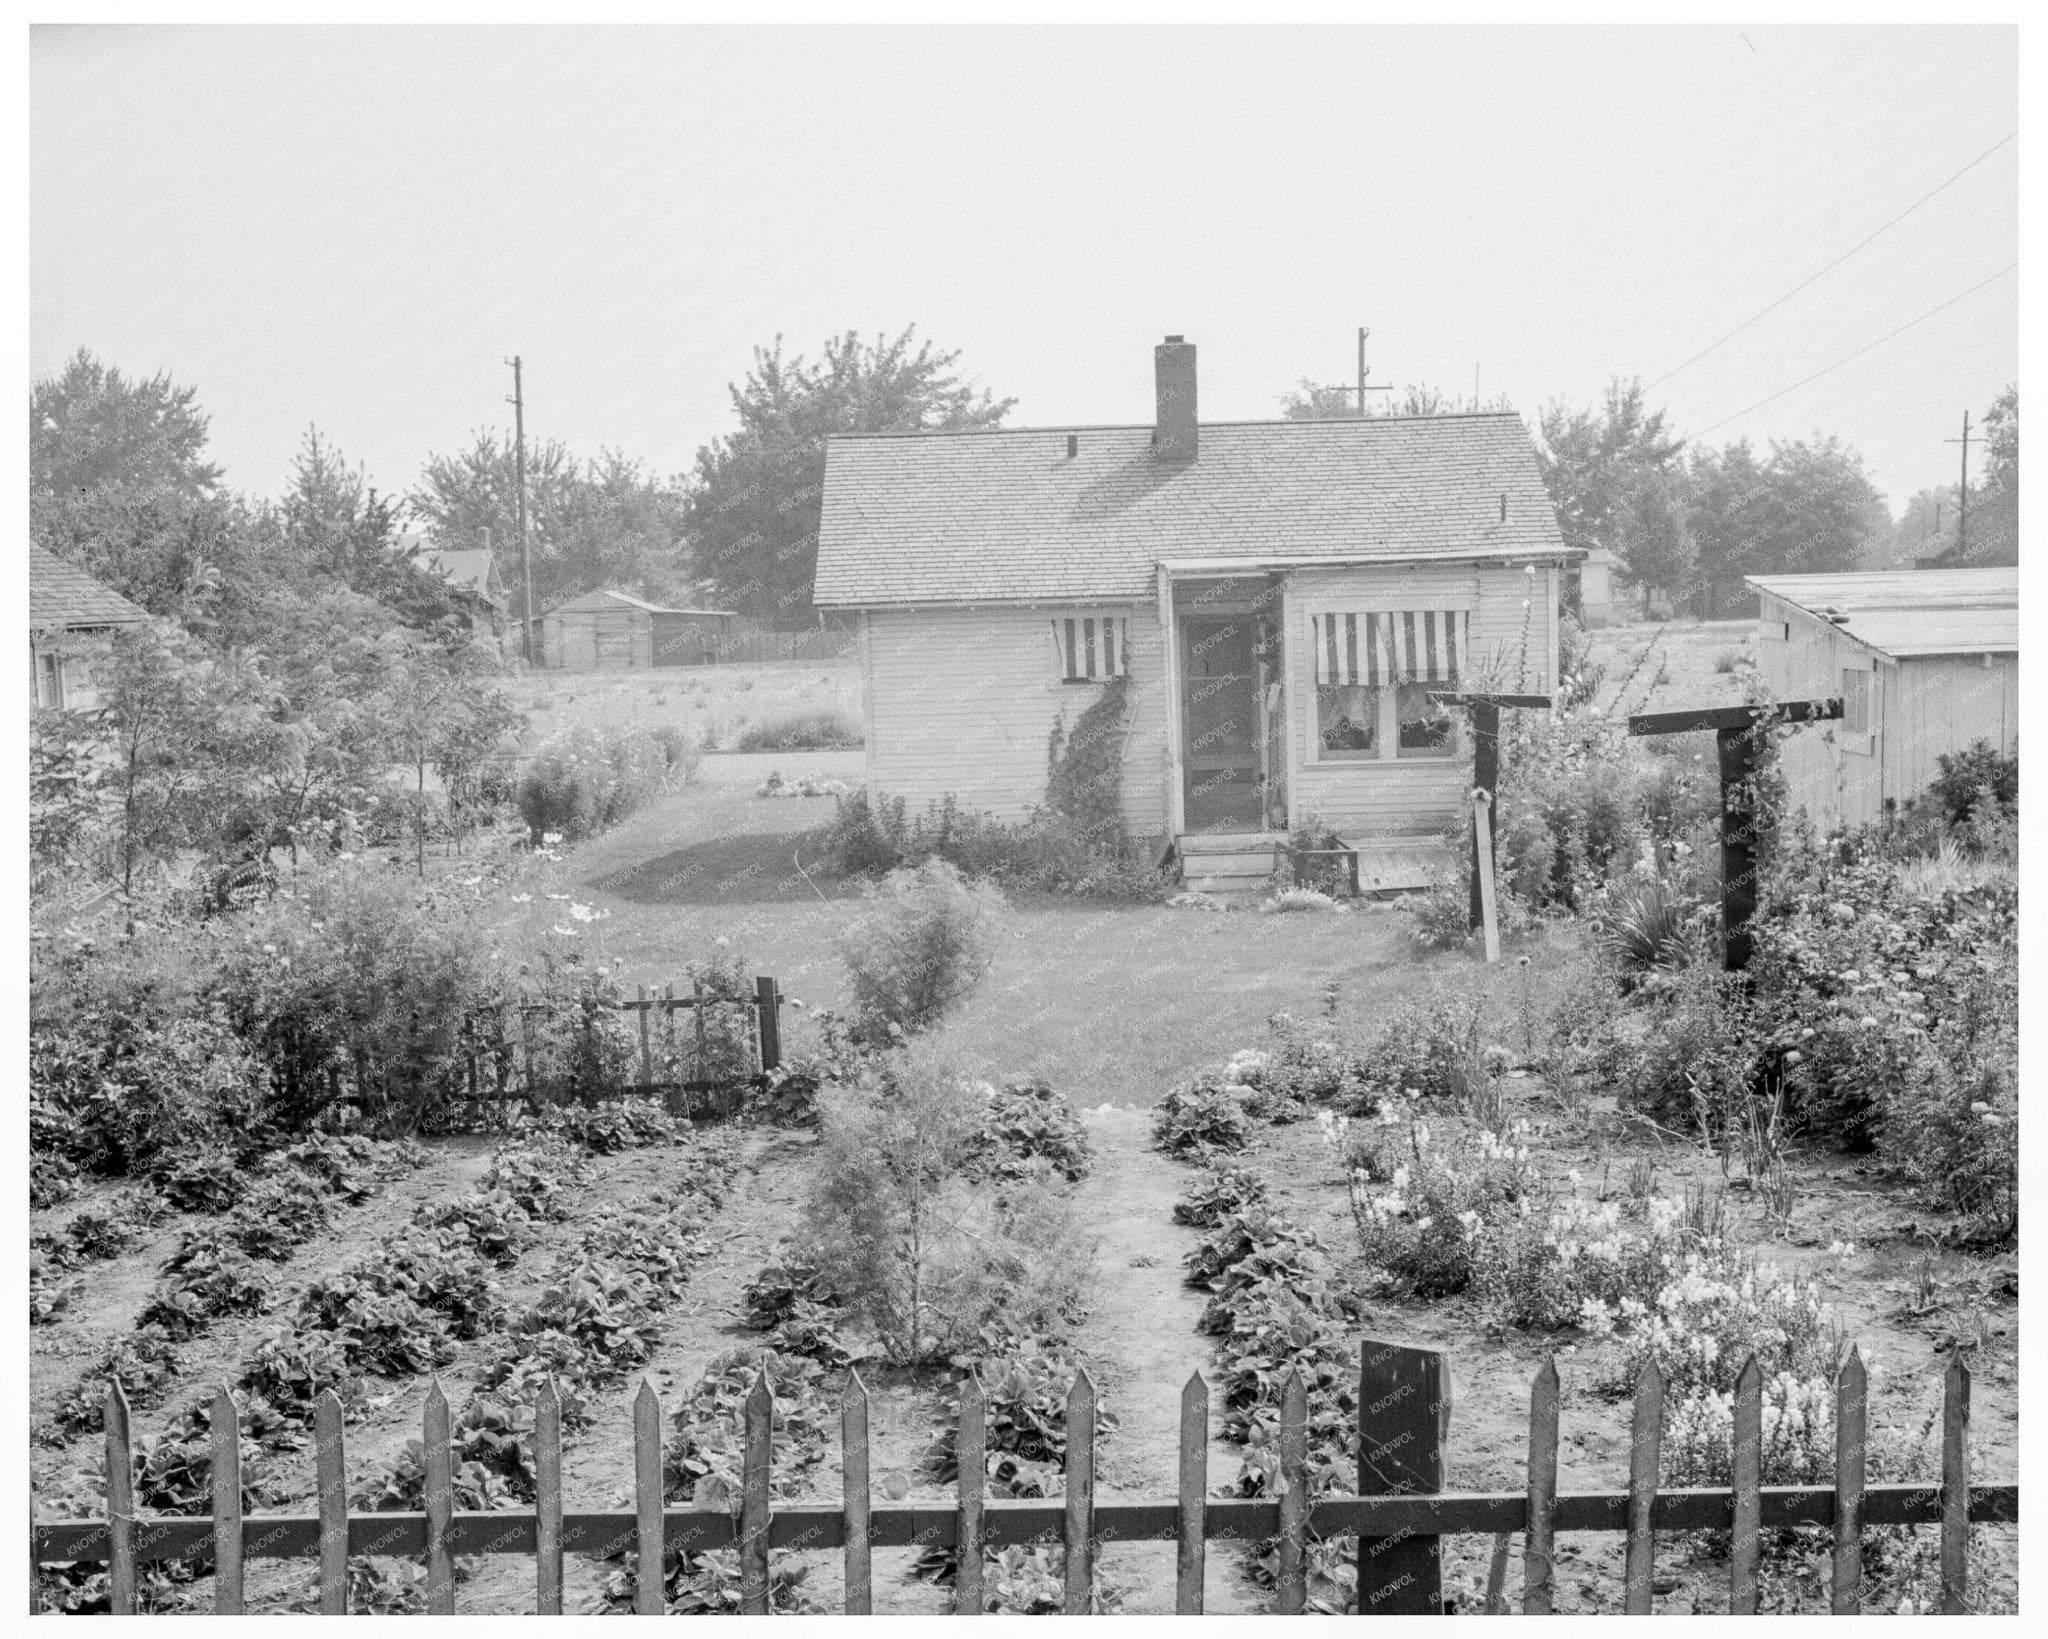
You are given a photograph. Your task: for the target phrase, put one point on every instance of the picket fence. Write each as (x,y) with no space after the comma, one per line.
(1400,1514)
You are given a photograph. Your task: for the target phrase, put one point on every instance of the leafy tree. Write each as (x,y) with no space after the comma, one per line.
(1308,402)
(338,530)
(756,495)
(1613,476)
(1994,527)
(1806,509)
(94,429)
(1926,529)
(439,709)
(197,559)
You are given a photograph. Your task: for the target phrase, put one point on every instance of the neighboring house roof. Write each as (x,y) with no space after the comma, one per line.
(607,599)
(62,595)
(468,571)
(1907,612)
(1009,517)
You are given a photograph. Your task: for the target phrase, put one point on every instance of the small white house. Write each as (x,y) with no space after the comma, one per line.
(1284,599)
(1926,662)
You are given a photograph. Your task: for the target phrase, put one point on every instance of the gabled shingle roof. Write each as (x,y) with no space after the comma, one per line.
(468,570)
(1907,612)
(607,597)
(62,595)
(1009,517)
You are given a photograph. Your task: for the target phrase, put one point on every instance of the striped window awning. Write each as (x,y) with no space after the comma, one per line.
(1404,646)
(1089,648)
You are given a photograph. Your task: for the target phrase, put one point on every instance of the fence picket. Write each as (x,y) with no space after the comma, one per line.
(1851,1420)
(646,1043)
(651,1576)
(226,1430)
(970,1442)
(1404,1410)
(754,1474)
(1746,1478)
(1645,1437)
(853,1491)
(680,1099)
(331,1473)
(1194,1498)
(768,1010)
(120,1503)
(1955,1488)
(547,1500)
(697,1018)
(438,1501)
(1080,1493)
(1539,1539)
(1291,1572)
(1497,1574)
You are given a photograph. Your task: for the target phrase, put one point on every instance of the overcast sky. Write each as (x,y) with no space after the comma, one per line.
(353,228)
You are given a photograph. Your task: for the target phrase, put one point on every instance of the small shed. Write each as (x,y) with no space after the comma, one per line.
(1926,662)
(72,622)
(1596,587)
(611,631)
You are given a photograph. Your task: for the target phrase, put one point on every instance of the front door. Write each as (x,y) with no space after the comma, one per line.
(1222,742)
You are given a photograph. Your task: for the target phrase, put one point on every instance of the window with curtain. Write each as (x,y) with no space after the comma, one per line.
(1375,672)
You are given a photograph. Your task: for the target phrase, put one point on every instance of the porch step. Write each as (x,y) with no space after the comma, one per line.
(1235,868)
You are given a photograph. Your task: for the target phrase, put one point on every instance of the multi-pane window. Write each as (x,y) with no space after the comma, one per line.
(1855,701)
(1376,673)
(1089,648)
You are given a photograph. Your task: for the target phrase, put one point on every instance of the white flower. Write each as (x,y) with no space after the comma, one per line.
(582,913)
(522,899)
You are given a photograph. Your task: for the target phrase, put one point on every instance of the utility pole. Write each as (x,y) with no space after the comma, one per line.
(1963,495)
(519,468)
(1363,386)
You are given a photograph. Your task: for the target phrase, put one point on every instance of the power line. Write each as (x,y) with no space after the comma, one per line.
(1830,369)
(1838,261)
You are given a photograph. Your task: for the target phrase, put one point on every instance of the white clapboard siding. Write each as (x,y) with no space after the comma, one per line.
(963,701)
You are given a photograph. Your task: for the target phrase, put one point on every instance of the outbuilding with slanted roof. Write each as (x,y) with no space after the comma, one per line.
(611,631)
(72,621)
(1926,662)
(1282,601)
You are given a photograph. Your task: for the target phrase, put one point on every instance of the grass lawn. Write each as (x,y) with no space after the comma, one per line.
(715,702)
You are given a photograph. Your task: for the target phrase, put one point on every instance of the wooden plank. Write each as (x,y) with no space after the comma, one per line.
(853,1490)
(1080,1521)
(1955,1488)
(1404,1409)
(697,1004)
(330,1466)
(646,1043)
(1645,1440)
(1485,777)
(1747,1451)
(120,1502)
(970,1442)
(1291,1572)
(1736,751)
(1539,1551)
(1497,1575)
(547,1506)
(438,1500)
(225,1428)
(1453,697)
(754,1475)
(1482,839)
(1191,1567)
(668,996)
(1742,718)
(1851,1423)
(651,1573)
(768,1002)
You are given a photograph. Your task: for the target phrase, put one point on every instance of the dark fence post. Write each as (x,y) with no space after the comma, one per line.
(1404,1413)
(1736,748)
(1485,777)
(769,1002)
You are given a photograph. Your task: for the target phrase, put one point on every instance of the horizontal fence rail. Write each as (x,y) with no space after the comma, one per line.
(1399,1530)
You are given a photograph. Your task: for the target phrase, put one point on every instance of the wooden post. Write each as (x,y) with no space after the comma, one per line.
(1736,750)
(970,1442)
(331,1474)
(1404,1412)
(755,1457)
(768,1003)
(1291,1574)
(679,1100)
(1955,1489)
(1851,1420)
(1194,1492)
(853,1467)
(226,1431)
(1746,1476)
(1482,845)
(1485,777)
(1645,1444)
(547,1500)
(439,1501)
(1080,1493)
(1497,1574)
(646,1045)
(120,1503)
(1539,1557)
(650,1577)
(697,1014)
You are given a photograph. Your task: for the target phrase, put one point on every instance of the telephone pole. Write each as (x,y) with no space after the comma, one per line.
(518,402)
(1963,495)
(1363,386)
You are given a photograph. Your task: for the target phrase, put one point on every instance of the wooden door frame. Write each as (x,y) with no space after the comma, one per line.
(1181,672)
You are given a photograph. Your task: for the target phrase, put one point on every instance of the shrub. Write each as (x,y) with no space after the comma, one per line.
(923,942)
(206,1280)
(865,838)
(208,1181)
(1218,1193)
(1965,776)
(144,1363)
(290,1368)
(1427,1049)
(818,728)
(1194,1121)
(1645,924)
(1440,917)
(579,784)
(1027,1130)
(617,1125)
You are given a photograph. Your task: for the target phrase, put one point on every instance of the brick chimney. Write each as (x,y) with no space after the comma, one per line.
(1173,369)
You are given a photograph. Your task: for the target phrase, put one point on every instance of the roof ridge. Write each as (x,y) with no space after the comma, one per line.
(1147,426)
